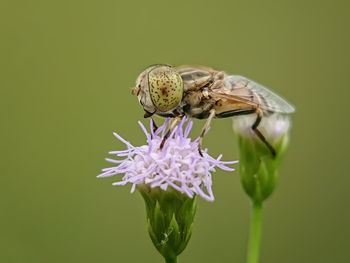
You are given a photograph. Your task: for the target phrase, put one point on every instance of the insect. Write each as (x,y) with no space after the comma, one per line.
(205,93)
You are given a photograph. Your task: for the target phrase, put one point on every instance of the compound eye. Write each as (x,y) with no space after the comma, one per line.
(166,88)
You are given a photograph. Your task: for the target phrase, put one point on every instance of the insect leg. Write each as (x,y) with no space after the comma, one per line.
(171,128)
(148,114)
(204,130)
(260,135)
(155,127)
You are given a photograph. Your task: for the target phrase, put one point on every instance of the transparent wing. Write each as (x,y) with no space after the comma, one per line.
(240,89)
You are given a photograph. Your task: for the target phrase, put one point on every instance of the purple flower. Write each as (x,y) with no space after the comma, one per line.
(178,165)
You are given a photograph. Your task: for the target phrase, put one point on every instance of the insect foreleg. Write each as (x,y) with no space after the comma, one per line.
(171,128)
(260,135)
(204,130)
(155,127)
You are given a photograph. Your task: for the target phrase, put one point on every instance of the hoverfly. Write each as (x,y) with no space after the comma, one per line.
(205,93)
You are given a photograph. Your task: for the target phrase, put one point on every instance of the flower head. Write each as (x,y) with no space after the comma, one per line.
(177,165)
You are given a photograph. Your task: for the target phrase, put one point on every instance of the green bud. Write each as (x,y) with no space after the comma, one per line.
(170,216)
(259,169)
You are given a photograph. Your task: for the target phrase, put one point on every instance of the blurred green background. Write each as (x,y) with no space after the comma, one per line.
(66,72)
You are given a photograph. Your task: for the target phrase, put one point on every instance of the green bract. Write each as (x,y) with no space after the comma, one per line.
(170,216)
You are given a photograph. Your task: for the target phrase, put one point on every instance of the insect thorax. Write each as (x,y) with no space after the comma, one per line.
(195,78)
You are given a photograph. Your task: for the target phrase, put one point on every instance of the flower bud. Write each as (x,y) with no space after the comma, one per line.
(259,168)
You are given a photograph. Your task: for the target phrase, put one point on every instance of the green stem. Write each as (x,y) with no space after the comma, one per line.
(170,260)
(255,233)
